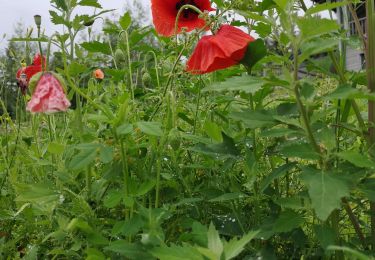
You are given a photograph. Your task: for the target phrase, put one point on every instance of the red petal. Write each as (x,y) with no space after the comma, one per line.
(219,51)
(164,15)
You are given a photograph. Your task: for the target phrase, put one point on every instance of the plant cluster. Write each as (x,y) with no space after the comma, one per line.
(191,139)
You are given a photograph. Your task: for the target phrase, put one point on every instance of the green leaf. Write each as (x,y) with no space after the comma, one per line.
(60,4)
(256,51)
(325,235)
(352,254)
(96,46)
(125,21)
(325,190)
(244,83)
(325,6)
(83,159)
(317,46)
(106,154)
(346,91)
(92,3)
(254,119)
(357,159)
(229,196)
(124,129)
(176,253)
(213,131)
(56,148)
(234,247)
(113,199)
(299,150)
(76,69)
(150,128)
(58,19)
(214,242)
(287,221)
(309,28)
(145,187)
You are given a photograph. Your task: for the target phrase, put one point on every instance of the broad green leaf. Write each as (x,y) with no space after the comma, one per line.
(150,128)
(317,46)
(113,199)
(131,251)
(244,83)
(287,221)
(309,28)
(256,51)
(214,241)
(299,150)
(255,119)
(96,46)
(145,187)
(213,131)
(325,190)
(125,21)
(106,154)
(94,254)
(176,253)
(124,129)
(83,159)
(234,247)
(56,148)
(225,149)
(357,159)
(76,69)
(325,235)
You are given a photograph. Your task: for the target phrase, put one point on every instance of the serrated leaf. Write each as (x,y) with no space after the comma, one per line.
(325,191)
(96,46)
(83,159)
(234,247)
(214,241)
(357,159)
(213,131)
(92,3)
(287,221)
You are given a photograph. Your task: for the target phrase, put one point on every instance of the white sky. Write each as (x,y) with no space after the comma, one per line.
(14,11)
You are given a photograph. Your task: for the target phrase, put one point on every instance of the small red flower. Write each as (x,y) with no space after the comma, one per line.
(164,13)
(49,96)
(219,51)
(26,73)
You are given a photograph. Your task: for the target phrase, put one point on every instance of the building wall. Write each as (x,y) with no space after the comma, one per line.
(353,59)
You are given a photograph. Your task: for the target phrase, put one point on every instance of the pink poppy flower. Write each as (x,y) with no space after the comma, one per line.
(49,96)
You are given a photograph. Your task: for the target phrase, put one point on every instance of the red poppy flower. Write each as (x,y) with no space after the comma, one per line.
(219,51)
(26,73)
(49,96)
(164,13)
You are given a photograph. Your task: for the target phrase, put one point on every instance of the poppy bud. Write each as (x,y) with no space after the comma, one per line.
(146,79)
(119,55)
(98,74)
(38,20)
(88,23)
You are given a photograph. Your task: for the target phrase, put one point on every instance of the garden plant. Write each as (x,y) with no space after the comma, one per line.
(227,129)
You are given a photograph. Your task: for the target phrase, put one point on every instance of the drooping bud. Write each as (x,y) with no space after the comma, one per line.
(88,23)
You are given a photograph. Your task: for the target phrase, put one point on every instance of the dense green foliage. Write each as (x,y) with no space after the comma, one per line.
(154,163)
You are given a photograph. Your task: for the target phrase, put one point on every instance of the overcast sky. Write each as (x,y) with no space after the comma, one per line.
(14,11)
